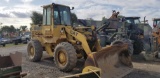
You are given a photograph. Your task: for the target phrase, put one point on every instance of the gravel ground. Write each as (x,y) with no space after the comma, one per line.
(47,69)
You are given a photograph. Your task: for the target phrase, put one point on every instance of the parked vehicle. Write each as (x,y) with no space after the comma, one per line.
(17,40)
(26,37)
(9,40)
(2,42)
(23,38)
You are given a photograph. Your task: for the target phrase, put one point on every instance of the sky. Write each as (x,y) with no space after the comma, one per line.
(18,12)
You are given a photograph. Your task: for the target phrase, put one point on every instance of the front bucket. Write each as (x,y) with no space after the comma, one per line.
(114,61)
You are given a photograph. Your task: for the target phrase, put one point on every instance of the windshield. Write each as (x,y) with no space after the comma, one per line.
(134,21)
(156,22)
(62,15)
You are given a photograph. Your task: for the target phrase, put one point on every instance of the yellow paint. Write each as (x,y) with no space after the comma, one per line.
(48,49)
(62,58)
(92,69)
(80,37)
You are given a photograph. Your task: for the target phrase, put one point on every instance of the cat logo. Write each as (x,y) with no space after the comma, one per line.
(73,33)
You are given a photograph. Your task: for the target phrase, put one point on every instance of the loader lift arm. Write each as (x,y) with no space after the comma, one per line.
(81,38)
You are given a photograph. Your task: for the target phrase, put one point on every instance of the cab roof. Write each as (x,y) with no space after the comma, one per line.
(132,17)
(156,18)
(53,4)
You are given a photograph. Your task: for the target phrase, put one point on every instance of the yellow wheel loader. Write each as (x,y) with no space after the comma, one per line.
(67,44)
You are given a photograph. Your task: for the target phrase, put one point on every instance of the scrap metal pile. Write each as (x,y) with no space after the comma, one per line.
(10,66)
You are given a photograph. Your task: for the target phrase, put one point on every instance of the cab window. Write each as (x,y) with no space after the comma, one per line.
(62,15)
(47,16)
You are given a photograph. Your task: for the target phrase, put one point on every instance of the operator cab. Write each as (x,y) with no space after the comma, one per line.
(133,20)
(135,23)
(156,22)
(56,14)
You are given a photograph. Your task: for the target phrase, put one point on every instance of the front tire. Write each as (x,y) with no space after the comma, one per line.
(65,56)
(35,51)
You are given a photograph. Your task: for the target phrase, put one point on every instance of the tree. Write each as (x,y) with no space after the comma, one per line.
(12,28)
(5,29)
(36,18)
(23,28)
(90,21)
(8,30)
(121,16)
(104,19)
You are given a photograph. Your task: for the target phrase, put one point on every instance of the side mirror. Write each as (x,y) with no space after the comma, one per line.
(72,8)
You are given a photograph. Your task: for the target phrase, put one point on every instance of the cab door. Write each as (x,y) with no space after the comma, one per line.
(47,22)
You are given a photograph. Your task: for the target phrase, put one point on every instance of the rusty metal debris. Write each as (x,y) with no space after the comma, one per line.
(10,66)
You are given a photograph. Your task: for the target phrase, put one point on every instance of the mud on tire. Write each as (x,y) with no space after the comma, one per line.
(70,56)
(38,51)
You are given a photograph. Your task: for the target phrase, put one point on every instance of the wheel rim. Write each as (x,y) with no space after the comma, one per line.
(32,52)
(62,59)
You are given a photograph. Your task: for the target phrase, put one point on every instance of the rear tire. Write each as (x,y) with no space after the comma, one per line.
(34,50)
(16,43)
(122,41)
(65,56)
(138,46)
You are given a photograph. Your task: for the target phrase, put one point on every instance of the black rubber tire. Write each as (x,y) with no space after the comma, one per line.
(37,49)
(122,41)
(15,42)
(70,53)
(138,46)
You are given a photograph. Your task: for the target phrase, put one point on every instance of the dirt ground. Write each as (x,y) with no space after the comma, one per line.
(47,69)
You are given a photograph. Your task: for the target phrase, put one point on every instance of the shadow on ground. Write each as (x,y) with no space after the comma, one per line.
(49,61)
(140,59)
(137,73)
